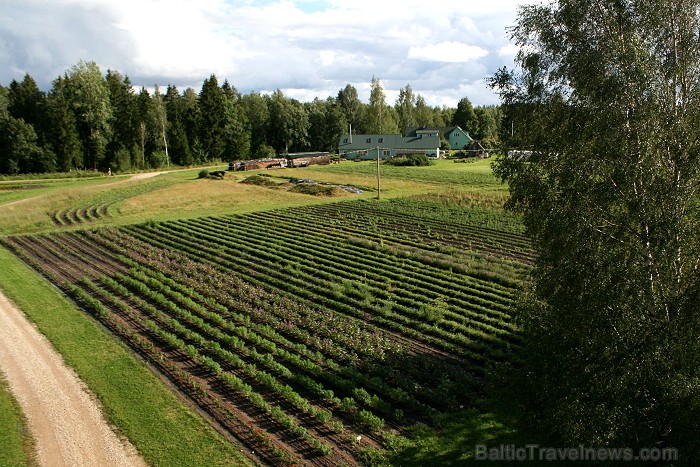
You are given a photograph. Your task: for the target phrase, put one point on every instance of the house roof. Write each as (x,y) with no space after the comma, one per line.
(365,142)
(443,130)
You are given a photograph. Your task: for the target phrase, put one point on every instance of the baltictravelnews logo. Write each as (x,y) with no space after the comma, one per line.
(535,452)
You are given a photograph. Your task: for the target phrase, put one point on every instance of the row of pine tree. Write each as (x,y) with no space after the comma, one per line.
(88,120)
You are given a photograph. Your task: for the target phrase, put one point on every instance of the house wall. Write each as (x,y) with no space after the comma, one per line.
(371,154)
(458,139)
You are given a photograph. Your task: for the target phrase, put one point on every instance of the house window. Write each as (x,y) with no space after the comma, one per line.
(363,153)
(380,140)
(369,140)
(345,141)
(386,153)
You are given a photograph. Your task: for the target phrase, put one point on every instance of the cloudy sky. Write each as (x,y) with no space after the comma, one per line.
(307,48)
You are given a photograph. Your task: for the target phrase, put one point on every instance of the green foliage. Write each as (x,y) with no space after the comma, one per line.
(465,117)
(350,104)
(608,92)
(380,117)
(89,96)
(157,159)
(265,152)
(405,108)
(212,109)
(204,173)
(288,125)
(121,161)
(370,422)
(414,160)
(434,312)
(20,151)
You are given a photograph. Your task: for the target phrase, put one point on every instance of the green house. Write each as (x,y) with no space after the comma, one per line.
(454,135)
(387,146)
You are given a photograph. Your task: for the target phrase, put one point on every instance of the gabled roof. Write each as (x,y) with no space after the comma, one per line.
(364,142)
(443,130)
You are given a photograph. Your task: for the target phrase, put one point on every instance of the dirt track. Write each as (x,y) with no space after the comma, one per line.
(63,417)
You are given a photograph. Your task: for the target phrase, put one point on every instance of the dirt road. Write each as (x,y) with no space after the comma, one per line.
(64,418)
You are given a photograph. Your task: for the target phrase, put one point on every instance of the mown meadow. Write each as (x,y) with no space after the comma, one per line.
(308,330)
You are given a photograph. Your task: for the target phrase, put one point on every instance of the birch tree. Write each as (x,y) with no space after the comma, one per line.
(607,96)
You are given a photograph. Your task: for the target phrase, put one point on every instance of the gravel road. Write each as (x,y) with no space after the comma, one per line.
(63,417)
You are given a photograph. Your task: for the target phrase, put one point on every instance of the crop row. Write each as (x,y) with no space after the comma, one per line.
(334,268)
(283,231)
(405,216)
(466,259)
(256,265)
(103,205)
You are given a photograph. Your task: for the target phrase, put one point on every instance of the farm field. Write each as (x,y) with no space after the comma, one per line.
(313,331)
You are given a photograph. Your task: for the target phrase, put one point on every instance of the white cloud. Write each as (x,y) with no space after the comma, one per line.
(305,46)
(448,51)
(509,50)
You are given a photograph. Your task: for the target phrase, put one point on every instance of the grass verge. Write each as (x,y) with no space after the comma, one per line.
(165,431)
(16,443)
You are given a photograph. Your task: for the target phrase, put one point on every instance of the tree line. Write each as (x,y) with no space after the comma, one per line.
(90,121)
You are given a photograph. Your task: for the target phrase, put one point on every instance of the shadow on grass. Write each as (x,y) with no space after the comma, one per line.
(452,438)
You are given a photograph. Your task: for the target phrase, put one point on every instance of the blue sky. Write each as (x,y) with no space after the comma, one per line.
(307,48)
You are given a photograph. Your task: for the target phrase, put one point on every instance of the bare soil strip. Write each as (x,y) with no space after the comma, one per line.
(64,418)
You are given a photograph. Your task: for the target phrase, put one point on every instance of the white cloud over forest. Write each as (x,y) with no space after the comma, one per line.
(309,48)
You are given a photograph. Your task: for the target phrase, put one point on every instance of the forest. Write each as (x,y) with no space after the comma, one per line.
(91,121)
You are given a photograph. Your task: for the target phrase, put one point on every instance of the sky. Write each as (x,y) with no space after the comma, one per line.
(445,49)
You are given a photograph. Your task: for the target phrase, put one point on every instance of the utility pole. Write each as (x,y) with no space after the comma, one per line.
(378,179)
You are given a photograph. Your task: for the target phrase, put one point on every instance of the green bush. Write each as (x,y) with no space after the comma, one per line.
(265,152)
(204,173)
(414,160)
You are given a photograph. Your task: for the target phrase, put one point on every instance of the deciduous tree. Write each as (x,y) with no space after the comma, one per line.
(406,108)
(610,93)
(88,94)
(380,117)
(350,105)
